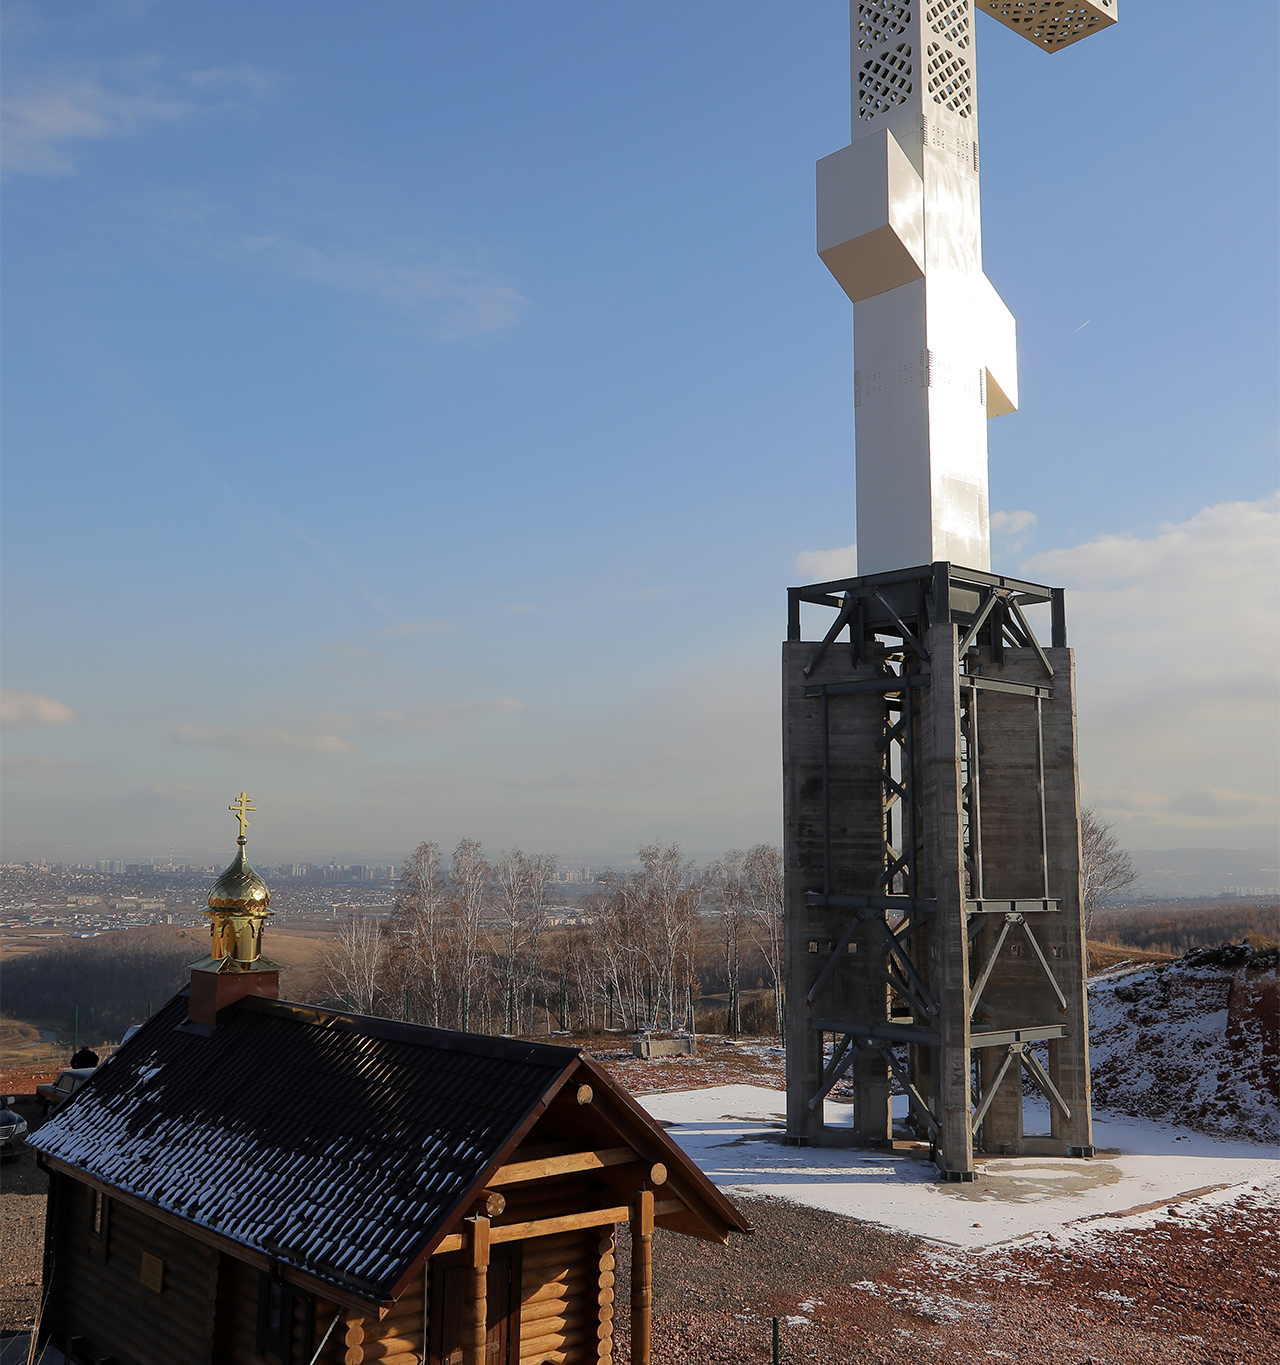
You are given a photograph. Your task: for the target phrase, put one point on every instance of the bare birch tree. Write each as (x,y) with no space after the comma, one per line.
(762,875)
(671,895)
(355,962)
(421,917)
(468,874)
(1106,870)
(728,877)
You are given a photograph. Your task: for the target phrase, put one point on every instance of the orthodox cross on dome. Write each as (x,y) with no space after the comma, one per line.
(240,808)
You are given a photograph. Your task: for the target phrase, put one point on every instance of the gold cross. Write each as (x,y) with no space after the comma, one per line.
(240,808)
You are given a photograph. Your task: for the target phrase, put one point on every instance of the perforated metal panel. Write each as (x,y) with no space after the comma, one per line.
(1053,24)
(884,61)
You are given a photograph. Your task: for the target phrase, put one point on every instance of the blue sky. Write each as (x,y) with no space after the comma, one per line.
(414,414)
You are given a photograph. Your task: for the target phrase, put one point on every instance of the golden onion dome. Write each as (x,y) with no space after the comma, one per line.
(239,887)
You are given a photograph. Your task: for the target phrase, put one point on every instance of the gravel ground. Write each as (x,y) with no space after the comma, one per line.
(22,1199)
(1199,1287)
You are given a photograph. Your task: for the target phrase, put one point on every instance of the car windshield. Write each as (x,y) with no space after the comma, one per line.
(67,1081)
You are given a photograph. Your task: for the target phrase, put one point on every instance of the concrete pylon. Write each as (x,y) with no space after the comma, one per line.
(935,942)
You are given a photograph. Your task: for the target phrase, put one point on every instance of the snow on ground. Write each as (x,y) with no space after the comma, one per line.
(735,1134)
(1197,1039)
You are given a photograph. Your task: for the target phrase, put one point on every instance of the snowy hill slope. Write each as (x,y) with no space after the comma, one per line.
(1195,1041)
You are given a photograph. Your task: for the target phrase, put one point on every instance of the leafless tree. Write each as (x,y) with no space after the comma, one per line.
(1106,870)
(727,878)
(468,874)
(762,875)
(619,928)
(671,895)
(355,963)
(512,873)
(540,868)
(421,919)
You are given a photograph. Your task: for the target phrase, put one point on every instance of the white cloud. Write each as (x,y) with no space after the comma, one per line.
(460,301)
(30,710)
(46,116)
(820,566)
(1177,639)
(260,740)
(1013,530)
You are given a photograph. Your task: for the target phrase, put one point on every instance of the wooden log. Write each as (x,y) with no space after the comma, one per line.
(549,1312)
(407,1307)
(585,1094)
(545,1227)
(554,1342)
(392,1346)
(478,1284)
(641,1276)
(555,1289)
(548,1357)
(550,1257)
(490,1203)
(543,1167)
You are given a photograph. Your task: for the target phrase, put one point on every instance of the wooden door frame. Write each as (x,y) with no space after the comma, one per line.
(432,1326)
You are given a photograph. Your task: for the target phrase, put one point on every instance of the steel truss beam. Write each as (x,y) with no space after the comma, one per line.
(1038,1074)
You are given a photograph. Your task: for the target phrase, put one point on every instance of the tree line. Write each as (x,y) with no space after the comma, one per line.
(112,979)
(474,947)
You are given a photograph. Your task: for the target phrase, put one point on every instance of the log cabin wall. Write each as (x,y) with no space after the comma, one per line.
(98,1290)
(560,1299)
(397,1339)
(236,1338)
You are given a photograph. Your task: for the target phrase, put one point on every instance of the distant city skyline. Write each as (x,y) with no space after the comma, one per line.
(417,427)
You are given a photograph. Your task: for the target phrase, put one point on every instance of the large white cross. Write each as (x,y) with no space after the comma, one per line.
(899,226)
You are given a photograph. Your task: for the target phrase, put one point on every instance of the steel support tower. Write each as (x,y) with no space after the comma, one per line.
(935,943)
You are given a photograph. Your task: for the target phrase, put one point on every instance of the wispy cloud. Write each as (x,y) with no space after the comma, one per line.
(1177,653)
(1013,530)
(432,716)
(418,628)
(260,740)
(818,566)
(32,711)
(46,116)
(458,300)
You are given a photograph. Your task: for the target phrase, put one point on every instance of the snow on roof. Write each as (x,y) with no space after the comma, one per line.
(340,1145)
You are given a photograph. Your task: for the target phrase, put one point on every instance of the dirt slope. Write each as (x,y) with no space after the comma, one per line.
(1195,1042)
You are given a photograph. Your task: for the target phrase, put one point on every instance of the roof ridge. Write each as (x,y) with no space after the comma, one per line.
(422,1035)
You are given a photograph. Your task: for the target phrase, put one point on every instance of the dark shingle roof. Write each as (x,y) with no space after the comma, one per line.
(338,1144)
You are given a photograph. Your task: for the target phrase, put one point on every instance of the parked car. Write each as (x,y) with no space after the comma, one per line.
(12,1130)
(53,1094)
